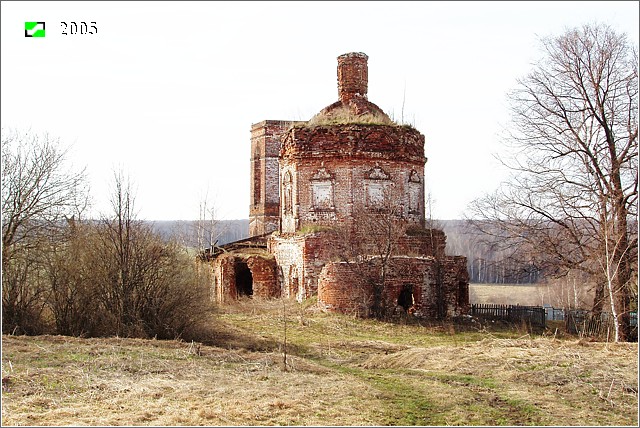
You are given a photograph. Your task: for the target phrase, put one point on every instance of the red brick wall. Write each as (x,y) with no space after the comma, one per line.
(359,141)
(335,172)
(265,279)
(300,259)
(453,271)
(262,267)
(341,289)
(289,256)
(440,289)
(430,242)
(342,157)
(353,76)
(264,205)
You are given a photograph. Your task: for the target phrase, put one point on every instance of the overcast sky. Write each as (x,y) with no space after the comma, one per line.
(167,91)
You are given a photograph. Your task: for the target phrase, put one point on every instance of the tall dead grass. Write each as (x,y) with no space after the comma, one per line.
(164,383)
(586,379)
(341,370)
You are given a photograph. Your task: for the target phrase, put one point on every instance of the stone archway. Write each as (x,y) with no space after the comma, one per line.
(244,279)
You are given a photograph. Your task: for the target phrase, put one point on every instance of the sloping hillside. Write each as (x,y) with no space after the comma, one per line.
(339,371)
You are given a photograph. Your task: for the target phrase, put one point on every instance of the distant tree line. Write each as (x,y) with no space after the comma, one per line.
(486,263)
(187,231)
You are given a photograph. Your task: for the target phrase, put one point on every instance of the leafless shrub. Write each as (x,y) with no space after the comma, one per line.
(39,193)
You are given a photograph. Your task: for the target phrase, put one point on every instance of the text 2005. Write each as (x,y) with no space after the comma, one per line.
(79,28)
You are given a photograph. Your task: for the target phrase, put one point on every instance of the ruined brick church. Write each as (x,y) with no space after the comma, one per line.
(311,179)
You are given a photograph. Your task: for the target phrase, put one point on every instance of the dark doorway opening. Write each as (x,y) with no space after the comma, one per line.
(405,299)
(244,280)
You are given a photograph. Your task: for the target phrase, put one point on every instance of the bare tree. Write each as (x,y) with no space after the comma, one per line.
(147,287)
(118,236)
(207,228)
(567,292)
(367,245)
(574,138)
(39,192)
(69,268)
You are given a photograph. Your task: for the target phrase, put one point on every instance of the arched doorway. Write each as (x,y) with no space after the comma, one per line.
(244,280)
(405,299)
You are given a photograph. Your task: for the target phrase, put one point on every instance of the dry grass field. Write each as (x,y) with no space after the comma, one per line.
(340,371)
(508,294)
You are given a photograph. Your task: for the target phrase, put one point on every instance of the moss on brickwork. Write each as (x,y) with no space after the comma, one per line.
(344,115)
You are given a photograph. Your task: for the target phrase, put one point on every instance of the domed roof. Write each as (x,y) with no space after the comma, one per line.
(353,105)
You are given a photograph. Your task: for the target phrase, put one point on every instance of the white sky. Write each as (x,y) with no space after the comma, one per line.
(167,91)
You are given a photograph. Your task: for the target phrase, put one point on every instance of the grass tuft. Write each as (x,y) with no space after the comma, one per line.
(344,115)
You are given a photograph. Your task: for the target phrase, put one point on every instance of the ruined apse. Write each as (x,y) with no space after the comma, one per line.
(309,178)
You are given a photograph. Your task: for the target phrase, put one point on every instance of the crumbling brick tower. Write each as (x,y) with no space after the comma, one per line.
(264,205)
(350,159)
(347,157)
(309,179)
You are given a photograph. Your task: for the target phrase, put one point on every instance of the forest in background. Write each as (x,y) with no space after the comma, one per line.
(198,234)
(485,265)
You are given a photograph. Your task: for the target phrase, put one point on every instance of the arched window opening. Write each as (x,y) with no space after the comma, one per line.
(288,193)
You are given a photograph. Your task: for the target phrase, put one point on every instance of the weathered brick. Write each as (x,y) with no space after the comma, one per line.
(437,288)
(228,269)
(353,76)
(264,193)
(310,176)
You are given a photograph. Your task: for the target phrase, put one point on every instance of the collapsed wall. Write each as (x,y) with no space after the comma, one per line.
(237,274)
(424,286)
(346,164)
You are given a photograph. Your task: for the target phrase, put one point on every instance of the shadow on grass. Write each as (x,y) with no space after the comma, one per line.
(223,334)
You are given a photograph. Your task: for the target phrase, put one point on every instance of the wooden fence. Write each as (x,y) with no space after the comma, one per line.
(577,321)
(586,323)
(532,315)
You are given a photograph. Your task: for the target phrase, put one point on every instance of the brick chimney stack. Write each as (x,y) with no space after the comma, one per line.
(352,76)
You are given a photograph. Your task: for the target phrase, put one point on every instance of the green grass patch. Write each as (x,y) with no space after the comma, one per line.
(405,405)
(313,228)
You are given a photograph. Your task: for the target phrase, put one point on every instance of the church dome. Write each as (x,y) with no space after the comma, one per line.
(352,105)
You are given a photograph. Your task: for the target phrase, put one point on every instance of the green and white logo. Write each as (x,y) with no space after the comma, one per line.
(34,29)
